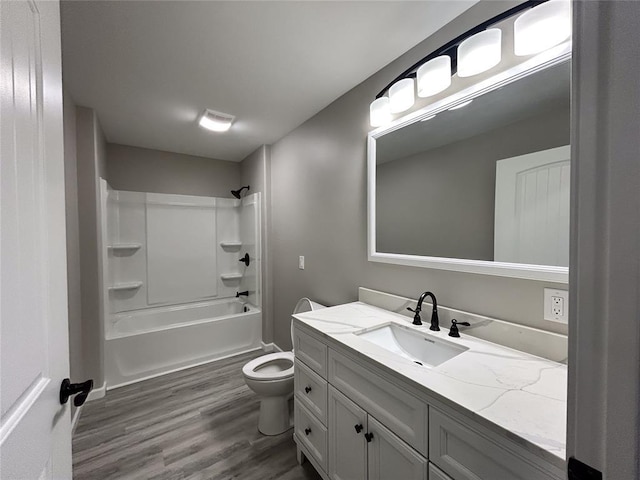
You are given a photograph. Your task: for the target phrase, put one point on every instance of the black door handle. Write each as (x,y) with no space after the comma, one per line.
(358,428)
(307,389)
(246,260)
(307,431)
(82,389)
(369,437)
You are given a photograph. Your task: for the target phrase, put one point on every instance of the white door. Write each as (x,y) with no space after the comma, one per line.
(391,458)
(532,208)
(347,425)
(35,436)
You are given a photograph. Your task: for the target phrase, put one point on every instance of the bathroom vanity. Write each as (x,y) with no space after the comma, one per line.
(379,398)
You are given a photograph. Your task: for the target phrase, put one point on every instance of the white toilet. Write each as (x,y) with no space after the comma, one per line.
(271,377)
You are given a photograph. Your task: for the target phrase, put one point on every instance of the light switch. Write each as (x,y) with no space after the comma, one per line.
(301,262)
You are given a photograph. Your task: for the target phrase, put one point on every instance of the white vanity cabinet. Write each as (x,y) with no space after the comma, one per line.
(361,447)
(354,421)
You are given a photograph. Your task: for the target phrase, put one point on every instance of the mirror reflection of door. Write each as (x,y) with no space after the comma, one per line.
(532,208)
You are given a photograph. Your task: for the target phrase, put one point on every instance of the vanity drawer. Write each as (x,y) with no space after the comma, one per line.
(466,454)
(401,412)
(311,390)
(311,351)
(311,433)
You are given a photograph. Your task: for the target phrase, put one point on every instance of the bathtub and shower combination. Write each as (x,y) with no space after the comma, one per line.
(171,272)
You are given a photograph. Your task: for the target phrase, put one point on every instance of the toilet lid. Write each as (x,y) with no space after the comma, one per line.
(273,366)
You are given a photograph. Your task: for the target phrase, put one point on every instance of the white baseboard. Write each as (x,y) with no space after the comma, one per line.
(98,392)
(74,420)
(270,347)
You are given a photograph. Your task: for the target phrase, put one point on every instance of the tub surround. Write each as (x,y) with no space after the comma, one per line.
(516,395)
(171,276)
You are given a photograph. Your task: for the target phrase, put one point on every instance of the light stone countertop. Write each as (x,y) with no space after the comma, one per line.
(521,394)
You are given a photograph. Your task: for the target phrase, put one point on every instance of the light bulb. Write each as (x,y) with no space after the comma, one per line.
(480,52)
(401,95)
(542,27)
(379,112)
(434,76)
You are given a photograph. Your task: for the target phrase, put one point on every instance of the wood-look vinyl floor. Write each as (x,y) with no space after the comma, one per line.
(200,423)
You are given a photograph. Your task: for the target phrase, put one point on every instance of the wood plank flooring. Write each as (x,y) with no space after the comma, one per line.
(200,423)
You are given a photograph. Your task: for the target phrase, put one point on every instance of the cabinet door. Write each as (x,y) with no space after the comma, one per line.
(466,454)
(436,474)
(347,446)
(390,458)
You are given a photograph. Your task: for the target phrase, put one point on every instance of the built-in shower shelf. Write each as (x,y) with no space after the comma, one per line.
(231,276)
(231,245)
(125,286)
(122,247)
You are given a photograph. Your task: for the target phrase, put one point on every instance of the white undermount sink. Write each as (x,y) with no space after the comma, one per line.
(412,344)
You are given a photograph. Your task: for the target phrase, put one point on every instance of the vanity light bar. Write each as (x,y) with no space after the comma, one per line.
(544,24)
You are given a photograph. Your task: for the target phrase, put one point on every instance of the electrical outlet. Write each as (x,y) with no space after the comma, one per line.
(556,305)
(301,262)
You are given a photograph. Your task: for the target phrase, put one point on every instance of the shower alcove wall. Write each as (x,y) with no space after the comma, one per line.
(171,272)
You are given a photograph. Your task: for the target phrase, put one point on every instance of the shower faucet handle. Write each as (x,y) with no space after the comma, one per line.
(246,260)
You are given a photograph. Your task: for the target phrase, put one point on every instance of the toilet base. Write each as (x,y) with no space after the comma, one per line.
(275,415)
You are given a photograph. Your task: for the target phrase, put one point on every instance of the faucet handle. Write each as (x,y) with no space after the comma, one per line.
(453,332)
(416,318)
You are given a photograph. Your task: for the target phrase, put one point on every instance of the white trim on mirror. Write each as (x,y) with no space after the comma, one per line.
(547,273)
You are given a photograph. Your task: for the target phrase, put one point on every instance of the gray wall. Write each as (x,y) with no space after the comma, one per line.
(319,210)
(255,171)
(145,170)
(90,149)
(76,362)
(441,202)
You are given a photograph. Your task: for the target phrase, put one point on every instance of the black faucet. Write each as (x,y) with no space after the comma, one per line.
(245,293)
(435,323)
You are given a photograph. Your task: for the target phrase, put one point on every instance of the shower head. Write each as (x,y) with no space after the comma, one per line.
(236,193)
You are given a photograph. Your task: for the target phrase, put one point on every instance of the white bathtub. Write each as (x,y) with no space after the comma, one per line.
(157,341)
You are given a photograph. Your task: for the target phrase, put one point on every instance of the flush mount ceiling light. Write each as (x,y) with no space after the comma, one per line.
(401,95)
(434,76)
(542,27)
(480,52)
(215,121)
(542,24)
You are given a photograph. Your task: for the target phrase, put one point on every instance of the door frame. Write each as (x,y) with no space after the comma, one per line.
(603,400)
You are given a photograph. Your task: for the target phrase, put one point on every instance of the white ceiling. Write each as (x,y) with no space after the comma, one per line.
(149,68)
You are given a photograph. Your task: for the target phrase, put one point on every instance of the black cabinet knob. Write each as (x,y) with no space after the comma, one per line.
(307,389)
(369,437)
(307,431)
(358,428)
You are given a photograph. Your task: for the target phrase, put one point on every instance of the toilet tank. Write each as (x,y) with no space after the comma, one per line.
(304,305)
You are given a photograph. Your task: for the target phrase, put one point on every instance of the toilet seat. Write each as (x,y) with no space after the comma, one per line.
(258,368)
